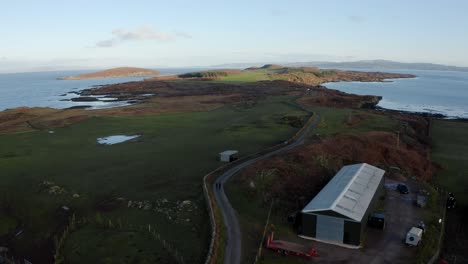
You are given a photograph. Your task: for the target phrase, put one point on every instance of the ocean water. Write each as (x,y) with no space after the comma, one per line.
(431,91)
(437,92)
(42,89)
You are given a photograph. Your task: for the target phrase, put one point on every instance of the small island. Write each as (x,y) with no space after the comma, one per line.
(120,72)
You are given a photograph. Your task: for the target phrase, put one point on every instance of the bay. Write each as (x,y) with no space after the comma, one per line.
(436,92)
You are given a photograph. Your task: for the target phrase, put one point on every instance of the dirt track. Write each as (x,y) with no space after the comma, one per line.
(233,252)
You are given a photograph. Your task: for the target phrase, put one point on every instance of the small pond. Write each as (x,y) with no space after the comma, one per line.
(111,140)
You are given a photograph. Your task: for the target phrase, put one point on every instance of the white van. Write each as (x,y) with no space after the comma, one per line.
(414,236)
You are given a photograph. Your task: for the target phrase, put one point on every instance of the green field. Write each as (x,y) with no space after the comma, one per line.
(450,146)
(334,121)
(251,76)
(271,73)
(114,247)
(7,224)
(42,171)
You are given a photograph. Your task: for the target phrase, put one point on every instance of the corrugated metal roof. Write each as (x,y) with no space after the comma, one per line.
(349,193)
(229,152)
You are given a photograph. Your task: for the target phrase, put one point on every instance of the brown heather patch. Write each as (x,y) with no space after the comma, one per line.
(28,119)
(334,98)
(302,172)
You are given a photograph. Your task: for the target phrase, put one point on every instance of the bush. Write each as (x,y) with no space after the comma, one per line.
(205,74)
(323,73)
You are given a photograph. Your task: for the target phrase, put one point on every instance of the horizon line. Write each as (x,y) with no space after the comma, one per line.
(84,68)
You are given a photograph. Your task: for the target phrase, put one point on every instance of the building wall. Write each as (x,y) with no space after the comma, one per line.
(225,158)
(352,233)
(309,223)
(329,228)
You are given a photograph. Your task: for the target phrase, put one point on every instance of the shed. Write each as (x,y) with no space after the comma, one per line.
(338,213)
(228,155)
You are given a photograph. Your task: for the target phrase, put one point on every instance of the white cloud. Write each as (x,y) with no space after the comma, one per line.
(106,43)
(143,33)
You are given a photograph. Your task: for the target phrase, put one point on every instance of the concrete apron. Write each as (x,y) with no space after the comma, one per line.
(331,242)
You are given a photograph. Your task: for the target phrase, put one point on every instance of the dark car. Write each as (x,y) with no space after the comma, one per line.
(402,188)
(451,201)
(376,221)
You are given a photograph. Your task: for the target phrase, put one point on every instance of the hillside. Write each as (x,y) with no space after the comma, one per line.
(381,64)
(362,64)
(120,72)
(306,75)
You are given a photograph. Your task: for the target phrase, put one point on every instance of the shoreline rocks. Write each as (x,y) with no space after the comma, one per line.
(84,99)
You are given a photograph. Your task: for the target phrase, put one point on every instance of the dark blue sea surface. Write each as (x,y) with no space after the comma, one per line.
(42,89)
(437,92)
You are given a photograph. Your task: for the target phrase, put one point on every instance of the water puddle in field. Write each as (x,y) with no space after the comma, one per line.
(111,140)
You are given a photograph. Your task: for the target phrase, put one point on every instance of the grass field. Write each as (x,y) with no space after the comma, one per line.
(164,166)
(7,224)
(450,146)
(114,247)
(251,76)
(339,121)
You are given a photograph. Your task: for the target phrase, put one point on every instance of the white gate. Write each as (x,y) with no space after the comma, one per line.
(329,228)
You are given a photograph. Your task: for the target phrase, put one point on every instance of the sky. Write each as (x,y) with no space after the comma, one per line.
(85,34)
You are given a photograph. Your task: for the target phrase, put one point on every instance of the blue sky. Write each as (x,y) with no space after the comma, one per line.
(94,34)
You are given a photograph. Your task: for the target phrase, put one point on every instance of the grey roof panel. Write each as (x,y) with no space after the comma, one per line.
(349,193)
(229,152)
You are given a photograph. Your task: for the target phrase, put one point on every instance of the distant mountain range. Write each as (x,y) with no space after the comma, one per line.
(382,64)
(363,64)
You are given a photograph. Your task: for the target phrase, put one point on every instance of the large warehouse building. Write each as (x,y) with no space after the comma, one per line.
(339,212)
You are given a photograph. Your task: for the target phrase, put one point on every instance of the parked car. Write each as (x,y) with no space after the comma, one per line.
(402,188)
(451,201)
(377,221)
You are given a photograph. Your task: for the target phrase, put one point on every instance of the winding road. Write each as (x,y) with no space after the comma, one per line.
(233,251)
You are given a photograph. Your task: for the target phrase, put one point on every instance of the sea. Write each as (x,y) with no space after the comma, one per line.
(42,89)
(435,92)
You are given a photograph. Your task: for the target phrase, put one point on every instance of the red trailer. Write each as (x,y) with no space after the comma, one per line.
(289,248)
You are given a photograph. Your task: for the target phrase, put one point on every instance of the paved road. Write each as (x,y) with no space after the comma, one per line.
(233,234)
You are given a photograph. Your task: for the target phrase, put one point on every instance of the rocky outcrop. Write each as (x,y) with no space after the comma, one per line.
(84,99)
(271,66)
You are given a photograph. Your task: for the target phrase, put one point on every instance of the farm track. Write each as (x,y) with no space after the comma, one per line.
(233,251)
